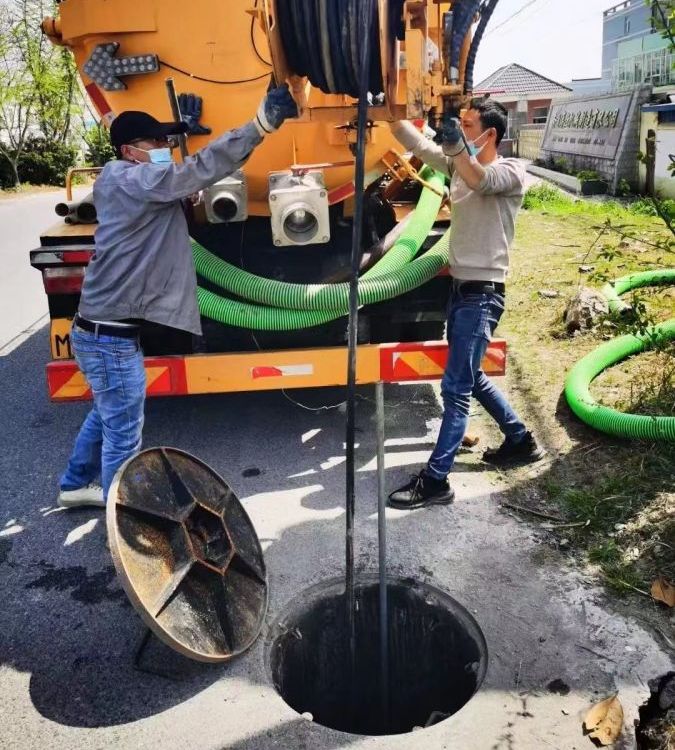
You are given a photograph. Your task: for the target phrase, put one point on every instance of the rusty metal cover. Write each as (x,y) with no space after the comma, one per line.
(187,554)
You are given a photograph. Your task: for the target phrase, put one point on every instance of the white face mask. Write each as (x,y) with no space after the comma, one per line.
(157,155)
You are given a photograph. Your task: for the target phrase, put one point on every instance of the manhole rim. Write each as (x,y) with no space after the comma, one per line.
(308,597)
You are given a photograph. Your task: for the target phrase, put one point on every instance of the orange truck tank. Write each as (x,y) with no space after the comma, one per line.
(228,54)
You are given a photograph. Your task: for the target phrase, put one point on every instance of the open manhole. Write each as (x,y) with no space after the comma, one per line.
(437,657)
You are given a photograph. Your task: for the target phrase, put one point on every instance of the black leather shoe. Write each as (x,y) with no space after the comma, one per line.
(527,451)
(422,490)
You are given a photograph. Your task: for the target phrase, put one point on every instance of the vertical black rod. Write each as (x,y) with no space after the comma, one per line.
(175,111)
(382,555)
(364,24)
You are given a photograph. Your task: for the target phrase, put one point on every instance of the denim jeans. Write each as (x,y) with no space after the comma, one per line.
(472,319)
(111,433)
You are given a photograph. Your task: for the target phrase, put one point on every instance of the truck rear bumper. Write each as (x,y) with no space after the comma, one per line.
(273,370)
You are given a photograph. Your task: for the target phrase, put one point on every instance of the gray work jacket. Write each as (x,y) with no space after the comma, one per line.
(142,267)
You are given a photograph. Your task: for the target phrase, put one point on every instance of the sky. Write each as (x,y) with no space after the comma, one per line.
(560,39)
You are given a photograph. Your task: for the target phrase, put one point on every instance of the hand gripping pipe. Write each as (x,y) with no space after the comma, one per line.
(577,385)
(285,306)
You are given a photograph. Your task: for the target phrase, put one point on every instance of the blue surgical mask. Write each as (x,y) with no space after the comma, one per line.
(475,150)
(157,155)
(160,155)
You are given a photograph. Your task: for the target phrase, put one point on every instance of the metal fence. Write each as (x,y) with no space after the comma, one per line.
(529,140)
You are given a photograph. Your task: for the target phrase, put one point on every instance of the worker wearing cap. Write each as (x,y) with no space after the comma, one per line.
(486,192)
(142,270)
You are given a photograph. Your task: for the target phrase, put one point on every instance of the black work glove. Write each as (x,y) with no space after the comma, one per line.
(190,107)
(453,138)
(276,107)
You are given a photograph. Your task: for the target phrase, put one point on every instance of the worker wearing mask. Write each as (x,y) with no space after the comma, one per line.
(486,192)
(142,270)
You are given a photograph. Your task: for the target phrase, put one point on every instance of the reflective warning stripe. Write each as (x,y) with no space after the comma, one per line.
(164,377)
(100,103)
(282,371)
(259,371)
(426,361)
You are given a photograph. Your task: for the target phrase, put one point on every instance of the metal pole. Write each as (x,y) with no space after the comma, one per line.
(357,237)
(382,554)
(175,111)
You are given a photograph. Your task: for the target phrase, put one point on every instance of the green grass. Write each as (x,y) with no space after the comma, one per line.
(545,197)
(619,494)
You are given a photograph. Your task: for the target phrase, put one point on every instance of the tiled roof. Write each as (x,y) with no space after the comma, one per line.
(515,79)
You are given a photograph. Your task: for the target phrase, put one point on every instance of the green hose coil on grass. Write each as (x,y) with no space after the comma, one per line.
(577,385)
(283,306)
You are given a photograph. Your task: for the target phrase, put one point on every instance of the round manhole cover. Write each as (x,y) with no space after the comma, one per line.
(187,554)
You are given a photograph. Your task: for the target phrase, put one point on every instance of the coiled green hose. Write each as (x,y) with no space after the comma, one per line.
(285,306)
(263,318)
(577,385)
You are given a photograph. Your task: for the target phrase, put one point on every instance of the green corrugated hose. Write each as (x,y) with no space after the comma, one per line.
(285,306)
(262,318)
(577,385)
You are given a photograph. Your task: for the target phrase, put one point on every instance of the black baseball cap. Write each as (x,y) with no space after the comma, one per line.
(132,126)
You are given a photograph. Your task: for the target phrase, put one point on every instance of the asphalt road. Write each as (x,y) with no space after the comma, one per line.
(68,634)
(23,304)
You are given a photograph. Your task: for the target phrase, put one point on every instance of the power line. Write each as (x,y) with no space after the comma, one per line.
(512,16)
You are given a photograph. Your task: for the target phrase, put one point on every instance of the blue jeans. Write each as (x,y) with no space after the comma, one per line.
(472,319)
(111,433)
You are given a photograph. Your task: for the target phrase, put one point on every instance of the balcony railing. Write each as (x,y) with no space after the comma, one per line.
(657,68)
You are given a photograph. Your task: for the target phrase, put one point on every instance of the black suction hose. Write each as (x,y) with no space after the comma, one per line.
(324,41)
(462,18)
(486,14)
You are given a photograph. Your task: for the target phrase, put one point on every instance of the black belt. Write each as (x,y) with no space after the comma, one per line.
(105,330)
(481,287)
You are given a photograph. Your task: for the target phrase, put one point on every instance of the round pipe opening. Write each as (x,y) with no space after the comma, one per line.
(437,658)
(86,212)
(225,207)
(300,224)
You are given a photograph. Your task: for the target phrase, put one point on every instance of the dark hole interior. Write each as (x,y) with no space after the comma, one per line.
(225,208)
(437,660)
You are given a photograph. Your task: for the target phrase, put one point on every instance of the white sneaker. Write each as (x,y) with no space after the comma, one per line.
(91,495)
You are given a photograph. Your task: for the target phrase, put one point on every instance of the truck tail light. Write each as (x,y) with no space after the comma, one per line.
(66,280)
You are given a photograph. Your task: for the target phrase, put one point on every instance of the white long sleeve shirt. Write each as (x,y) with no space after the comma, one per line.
(483,220)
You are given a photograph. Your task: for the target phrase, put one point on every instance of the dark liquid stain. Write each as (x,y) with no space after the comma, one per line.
(252,472)
(85,588)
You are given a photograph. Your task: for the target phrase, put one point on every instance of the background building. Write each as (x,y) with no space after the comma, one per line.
(526,95)
(633,51)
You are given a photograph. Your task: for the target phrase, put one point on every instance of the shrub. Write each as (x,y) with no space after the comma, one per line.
(645,207)
(99,148)
(542,196)
(41,163)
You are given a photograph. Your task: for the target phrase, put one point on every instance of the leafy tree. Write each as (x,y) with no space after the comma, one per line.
(17,97)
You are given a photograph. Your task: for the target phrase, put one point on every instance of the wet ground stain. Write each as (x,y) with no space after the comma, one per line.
(5,548)
(85,588)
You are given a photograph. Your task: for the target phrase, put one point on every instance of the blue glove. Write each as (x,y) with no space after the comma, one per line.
(190,107)
(276,107)
(453,138)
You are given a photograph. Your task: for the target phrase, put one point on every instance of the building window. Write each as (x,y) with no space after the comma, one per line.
(539,115)
(626,26)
